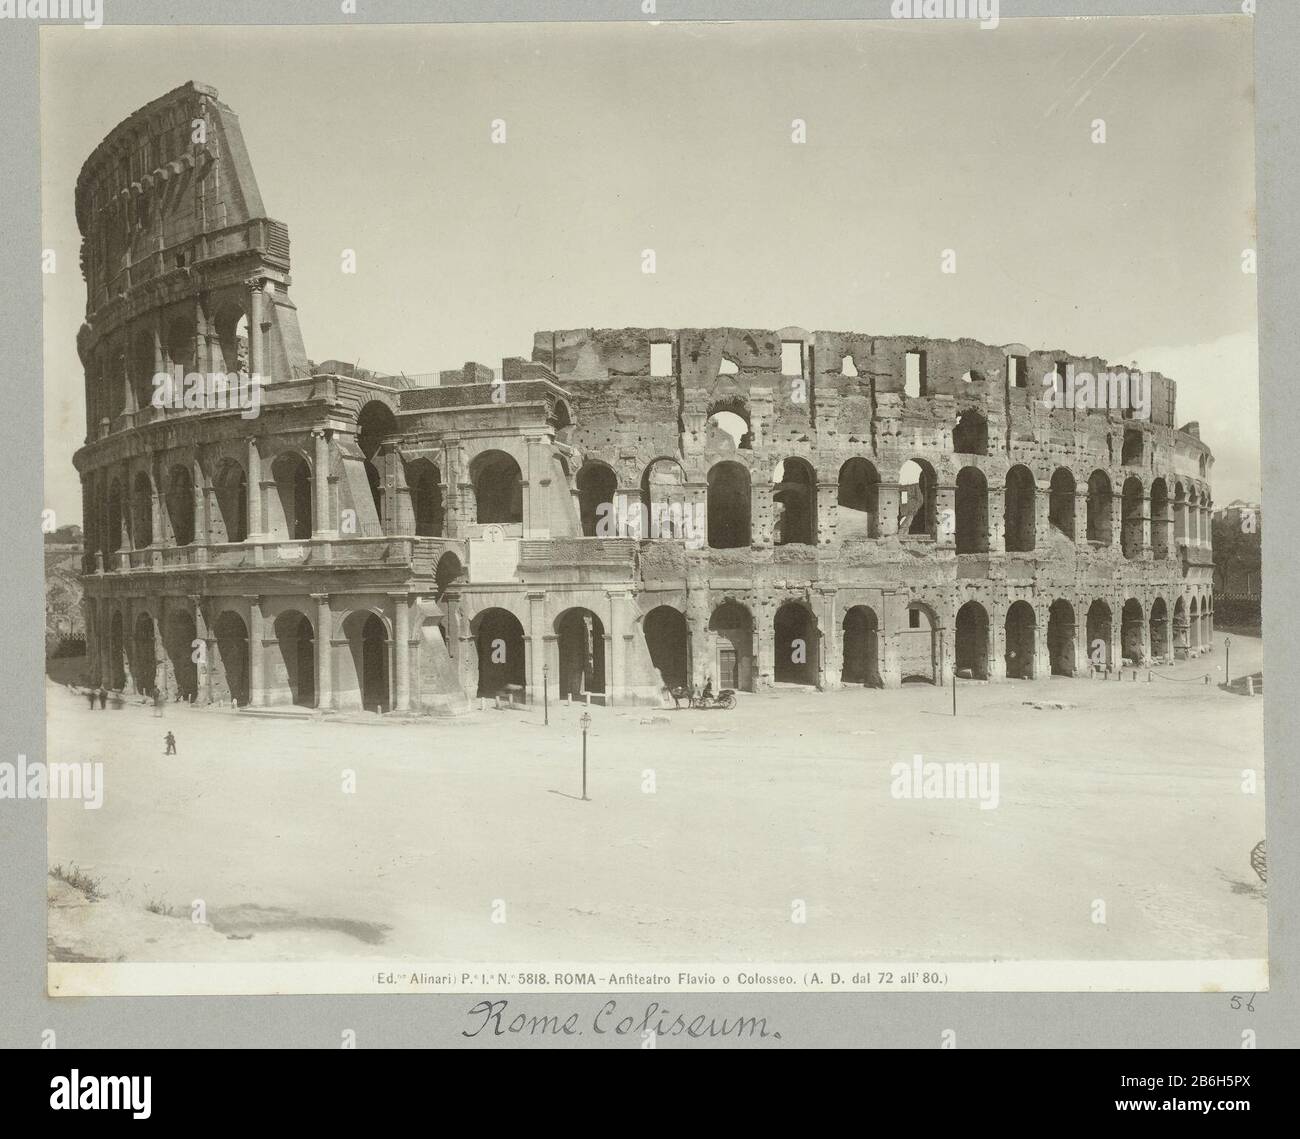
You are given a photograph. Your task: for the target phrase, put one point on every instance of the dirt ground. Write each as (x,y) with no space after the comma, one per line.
(703,830)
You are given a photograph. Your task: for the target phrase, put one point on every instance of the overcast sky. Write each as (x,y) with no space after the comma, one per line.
(921,137)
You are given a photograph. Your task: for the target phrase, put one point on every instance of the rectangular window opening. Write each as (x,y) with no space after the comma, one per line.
(791,358)
(914,375)
(661,358)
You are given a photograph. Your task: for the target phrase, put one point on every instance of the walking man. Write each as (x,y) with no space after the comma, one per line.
(170,741)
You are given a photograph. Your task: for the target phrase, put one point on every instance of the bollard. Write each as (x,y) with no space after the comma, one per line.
(1148,676)
(1250,686)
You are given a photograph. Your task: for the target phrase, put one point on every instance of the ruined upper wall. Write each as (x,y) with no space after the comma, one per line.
(957,368)
(174,171)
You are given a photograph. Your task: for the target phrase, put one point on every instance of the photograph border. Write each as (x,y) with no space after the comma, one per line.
(983,1019)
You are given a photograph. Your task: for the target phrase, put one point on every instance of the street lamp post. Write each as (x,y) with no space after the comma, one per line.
(546,703)
(585,721)
(1227,661)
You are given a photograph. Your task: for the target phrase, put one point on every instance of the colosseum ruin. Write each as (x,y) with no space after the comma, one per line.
(621,512)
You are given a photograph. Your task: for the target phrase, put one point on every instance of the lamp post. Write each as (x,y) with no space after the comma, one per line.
(546,703)
(1227,661)
(585,722)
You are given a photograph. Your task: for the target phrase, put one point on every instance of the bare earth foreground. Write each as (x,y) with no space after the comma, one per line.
(1131,795)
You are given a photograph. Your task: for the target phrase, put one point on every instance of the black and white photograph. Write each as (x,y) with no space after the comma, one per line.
(652,507)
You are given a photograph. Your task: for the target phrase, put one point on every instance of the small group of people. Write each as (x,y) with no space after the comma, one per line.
(99,695)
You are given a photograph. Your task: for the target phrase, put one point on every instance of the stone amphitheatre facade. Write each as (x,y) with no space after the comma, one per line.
(824,508)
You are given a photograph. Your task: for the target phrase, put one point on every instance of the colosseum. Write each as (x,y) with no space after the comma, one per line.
(619,513)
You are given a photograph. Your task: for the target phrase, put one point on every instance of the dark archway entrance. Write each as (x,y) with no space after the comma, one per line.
(144,658)
(1020,635)
(500,646)
(296,642)
(861,648)
(733,628)
(1159,629)
(1060,638)
(796,645)
(668,640)
(1132,626)
(582,653)
(180,651)
(972,647)
(232,651)
(1098,626)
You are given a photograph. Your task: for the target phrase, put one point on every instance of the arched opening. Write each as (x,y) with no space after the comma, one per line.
(663,495)
(498,488)
(728,506)
(1131,453)
(1193,624)
(668,641)
(1158,629)
(1018,510)
(796,645)
(113,533)
(920,646)
(597,497)
(232,336)
(1022,626)
(1060,638)
(1132,626)
(180,345)
(297,657)
(917,487)
(1182,640)
(732,627)
(144,658)
(581,647)
(180,505)
(1098,628)
(971,435)
(142,370)
(501,657)
(972,649)
(230,487)
(424,481)
(861,648)
(292,496)
(1180,514)
(180,651)
(446,573)
(376,425)
(117,655)
(729,420)
(141,511)
(858,500)
(232,655)
(972,507)
(1061,497)
(1131,531)
(794,491)
(374,678)
(1159,520)
(1099,507)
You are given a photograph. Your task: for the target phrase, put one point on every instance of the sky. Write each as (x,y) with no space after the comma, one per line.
(921,137)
